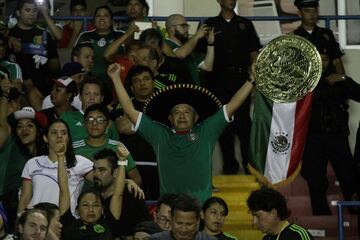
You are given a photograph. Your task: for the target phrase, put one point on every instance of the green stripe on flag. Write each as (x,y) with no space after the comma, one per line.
(260,132)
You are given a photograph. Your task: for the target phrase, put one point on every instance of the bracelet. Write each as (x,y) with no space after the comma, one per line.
(122,163)
(210,44)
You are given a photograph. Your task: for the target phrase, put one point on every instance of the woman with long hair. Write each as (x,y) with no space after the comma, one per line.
(17,145)
(215,211)
(40,173)
(90,206)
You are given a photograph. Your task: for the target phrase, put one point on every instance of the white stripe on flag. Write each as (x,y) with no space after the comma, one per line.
(280,140)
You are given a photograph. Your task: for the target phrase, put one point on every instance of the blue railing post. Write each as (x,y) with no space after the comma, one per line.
(340,221)
(340,205)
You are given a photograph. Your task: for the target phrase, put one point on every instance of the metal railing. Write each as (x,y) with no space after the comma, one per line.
(326,18)
(340,205)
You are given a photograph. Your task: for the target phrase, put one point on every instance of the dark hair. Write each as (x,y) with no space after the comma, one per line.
(109,155)
(137,70)
(76,51)
(167,199)
(49,208)
(104,7)
(143,3)
(21,3)
(213,200)
(39,141)
(73,3)
(91,79)
(24,216)
(94,191)
(70,156)
(97,107)
(150,34)
(186,203)
(267,199)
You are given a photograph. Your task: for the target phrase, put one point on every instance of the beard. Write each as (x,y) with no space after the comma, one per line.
(182,37)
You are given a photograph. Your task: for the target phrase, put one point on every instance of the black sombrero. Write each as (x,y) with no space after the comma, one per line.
(159,105)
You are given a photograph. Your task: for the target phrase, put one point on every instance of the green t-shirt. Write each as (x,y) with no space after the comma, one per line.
(184,160)
(13,68)
(99,44)
(82,148)
(192,61)
(12,162)
(75,121)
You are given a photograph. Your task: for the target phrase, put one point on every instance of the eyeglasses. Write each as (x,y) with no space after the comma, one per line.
(184,25)
(91,120)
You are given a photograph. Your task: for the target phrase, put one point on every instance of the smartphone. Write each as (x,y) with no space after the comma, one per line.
(142,26)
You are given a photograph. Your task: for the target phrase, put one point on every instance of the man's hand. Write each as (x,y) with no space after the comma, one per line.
(334,78)
(134,189)
(15,44)
(122,152)
(210,36)
(43,8)
(133,28)
(202,31)
(113,71)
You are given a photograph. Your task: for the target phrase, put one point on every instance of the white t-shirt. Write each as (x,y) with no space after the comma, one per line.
(43,174)
(48,104)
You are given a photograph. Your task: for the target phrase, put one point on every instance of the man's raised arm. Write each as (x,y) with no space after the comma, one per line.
(124,99)
(240,96)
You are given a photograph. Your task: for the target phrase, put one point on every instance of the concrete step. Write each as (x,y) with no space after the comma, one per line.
(301,205)
(229,183)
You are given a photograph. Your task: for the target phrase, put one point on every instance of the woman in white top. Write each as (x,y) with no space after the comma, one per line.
(40,180)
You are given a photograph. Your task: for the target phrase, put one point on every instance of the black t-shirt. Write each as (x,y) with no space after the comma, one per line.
(145,159)
(237,39)
(172,71)
(75,229)
(133,212)
(51,113)
(35,41)
(293,232)
(323,39)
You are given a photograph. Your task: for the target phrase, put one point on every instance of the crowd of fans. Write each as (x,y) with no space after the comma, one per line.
(84,144)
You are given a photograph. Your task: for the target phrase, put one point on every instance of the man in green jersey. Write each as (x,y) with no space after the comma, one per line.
(91,92)
(97,121)
(183,148)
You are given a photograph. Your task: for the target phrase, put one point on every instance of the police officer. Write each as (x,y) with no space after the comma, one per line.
(236,46)
(322,38)
(328,138)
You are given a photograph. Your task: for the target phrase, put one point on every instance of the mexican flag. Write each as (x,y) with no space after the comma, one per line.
(278,134)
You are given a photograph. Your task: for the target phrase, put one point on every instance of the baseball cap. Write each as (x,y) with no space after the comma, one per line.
(71,68)
(67,83)
(25,112)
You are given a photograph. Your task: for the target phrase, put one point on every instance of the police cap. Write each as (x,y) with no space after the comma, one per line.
(306,3)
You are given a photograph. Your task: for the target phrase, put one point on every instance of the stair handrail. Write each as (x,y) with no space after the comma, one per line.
(340,205)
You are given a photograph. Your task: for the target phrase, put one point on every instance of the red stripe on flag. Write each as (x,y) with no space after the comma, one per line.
(302,118)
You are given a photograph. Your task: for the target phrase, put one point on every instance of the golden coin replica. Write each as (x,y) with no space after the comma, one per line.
(288,68)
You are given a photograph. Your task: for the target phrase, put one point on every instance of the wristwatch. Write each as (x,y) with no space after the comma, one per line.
(343,77)
(122,163)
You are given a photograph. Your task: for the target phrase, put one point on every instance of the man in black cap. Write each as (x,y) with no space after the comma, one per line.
(183,148)
(322,38)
